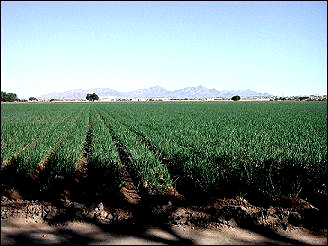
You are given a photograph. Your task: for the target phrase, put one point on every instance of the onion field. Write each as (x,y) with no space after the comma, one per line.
(200,149)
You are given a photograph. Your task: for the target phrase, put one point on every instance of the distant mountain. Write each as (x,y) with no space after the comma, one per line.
(81,94)
(243,93)
(195,92)
(154,92)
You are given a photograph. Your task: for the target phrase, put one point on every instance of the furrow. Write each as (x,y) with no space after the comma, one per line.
(15,155)
(129,191)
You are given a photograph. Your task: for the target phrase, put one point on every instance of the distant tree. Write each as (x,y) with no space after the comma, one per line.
(3,96)
(235,98)
(33,99)
(8,97)
(95,96)
(304,98)
(92,97)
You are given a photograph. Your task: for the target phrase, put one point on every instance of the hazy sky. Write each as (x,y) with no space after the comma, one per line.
(273,47)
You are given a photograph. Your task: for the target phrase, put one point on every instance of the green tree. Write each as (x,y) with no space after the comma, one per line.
(33,99)
(235,98)
(8,97)
(92,97)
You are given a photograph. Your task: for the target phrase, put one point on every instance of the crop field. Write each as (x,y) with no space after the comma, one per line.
(200,149)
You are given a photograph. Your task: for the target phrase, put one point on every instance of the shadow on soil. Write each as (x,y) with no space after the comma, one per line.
(75,199)
(132,220)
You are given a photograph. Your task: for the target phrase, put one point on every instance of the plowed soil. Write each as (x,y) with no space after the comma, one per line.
(165,219)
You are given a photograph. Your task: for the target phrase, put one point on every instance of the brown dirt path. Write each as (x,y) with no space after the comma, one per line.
(25,221)
(26,231)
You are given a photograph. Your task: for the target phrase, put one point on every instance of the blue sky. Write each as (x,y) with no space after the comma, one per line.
(274,47)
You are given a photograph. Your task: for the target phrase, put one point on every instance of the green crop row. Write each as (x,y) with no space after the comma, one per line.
(203,148)
(279,147)
(103,167)
(71,148)
(41,134)
(22,126)
(142,162)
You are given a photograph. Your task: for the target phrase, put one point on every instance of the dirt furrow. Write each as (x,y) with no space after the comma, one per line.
(129,192)
(74,187)
(163,158)
(44,162)
(32,143)
(81,165)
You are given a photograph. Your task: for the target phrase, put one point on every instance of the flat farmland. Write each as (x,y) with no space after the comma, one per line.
(209,148)
(160,151)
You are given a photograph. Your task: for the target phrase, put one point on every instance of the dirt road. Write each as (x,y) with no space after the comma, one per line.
(25,231)
(224,221)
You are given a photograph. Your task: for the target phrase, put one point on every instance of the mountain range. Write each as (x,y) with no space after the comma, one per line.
(154,92)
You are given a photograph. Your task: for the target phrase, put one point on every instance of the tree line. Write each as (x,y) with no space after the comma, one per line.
(8,97)
(12,97)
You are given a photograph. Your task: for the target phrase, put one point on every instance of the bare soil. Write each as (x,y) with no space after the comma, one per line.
(168,219)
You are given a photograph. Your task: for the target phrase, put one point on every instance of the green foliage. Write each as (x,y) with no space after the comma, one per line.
(202,148)
(235,98)
(142,162)
(30,131)
(274,146)
(92,97)
(8,97)
(103,165)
